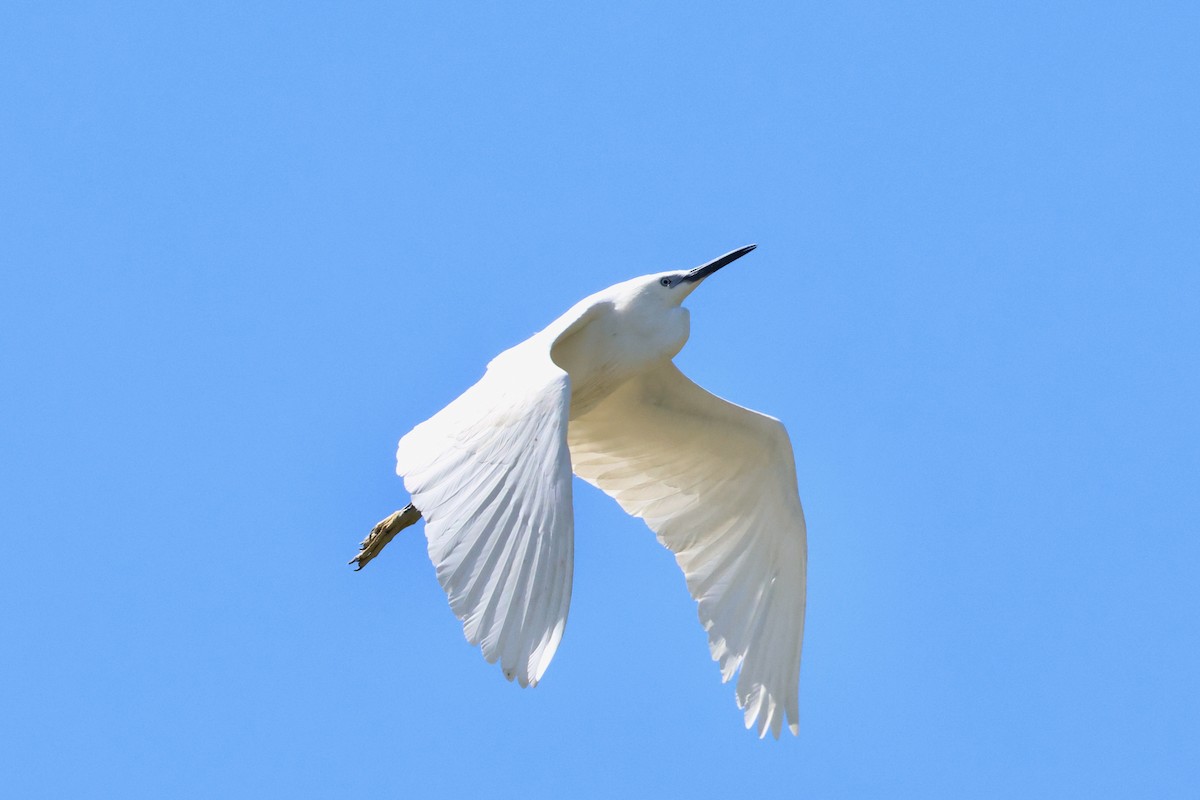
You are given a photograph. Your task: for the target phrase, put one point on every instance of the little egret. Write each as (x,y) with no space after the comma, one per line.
(596,393)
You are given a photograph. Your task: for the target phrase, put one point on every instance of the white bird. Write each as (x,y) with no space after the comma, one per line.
(596,393)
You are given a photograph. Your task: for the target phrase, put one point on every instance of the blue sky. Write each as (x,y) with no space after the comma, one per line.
(243,250)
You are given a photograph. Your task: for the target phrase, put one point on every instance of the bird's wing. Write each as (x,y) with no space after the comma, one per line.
(491,474)
(717,483)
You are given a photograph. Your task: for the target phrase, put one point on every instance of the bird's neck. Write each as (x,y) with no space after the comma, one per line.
(615,344)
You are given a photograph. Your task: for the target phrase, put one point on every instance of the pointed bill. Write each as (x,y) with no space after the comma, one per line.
(703,271)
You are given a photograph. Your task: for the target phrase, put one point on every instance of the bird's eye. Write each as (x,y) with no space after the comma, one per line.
(665,282)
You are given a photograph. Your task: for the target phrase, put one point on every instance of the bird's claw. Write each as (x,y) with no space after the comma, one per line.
(383,532)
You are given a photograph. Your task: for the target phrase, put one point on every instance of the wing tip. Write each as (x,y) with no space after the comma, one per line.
(764,713)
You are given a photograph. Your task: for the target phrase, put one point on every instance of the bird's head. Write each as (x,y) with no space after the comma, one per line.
(671,288)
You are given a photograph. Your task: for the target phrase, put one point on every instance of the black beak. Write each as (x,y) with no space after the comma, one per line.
(702,272)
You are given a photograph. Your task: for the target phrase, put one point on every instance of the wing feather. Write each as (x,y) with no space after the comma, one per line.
(491,475)
(725,503)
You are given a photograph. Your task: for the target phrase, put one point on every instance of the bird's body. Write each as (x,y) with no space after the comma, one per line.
(626,331)
(595,392)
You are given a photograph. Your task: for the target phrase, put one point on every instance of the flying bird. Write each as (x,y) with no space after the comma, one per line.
(596,393)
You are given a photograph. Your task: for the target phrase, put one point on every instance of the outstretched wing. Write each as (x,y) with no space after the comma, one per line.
(491,474)
(717,483)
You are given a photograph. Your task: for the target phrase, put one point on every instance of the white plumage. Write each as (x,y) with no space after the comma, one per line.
(596,392)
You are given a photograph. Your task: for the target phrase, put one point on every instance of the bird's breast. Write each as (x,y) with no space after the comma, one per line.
(614,348)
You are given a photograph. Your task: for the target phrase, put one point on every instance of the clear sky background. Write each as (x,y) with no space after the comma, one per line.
(244,249)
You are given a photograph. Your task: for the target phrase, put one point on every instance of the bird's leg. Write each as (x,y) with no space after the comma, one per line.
(383,532)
